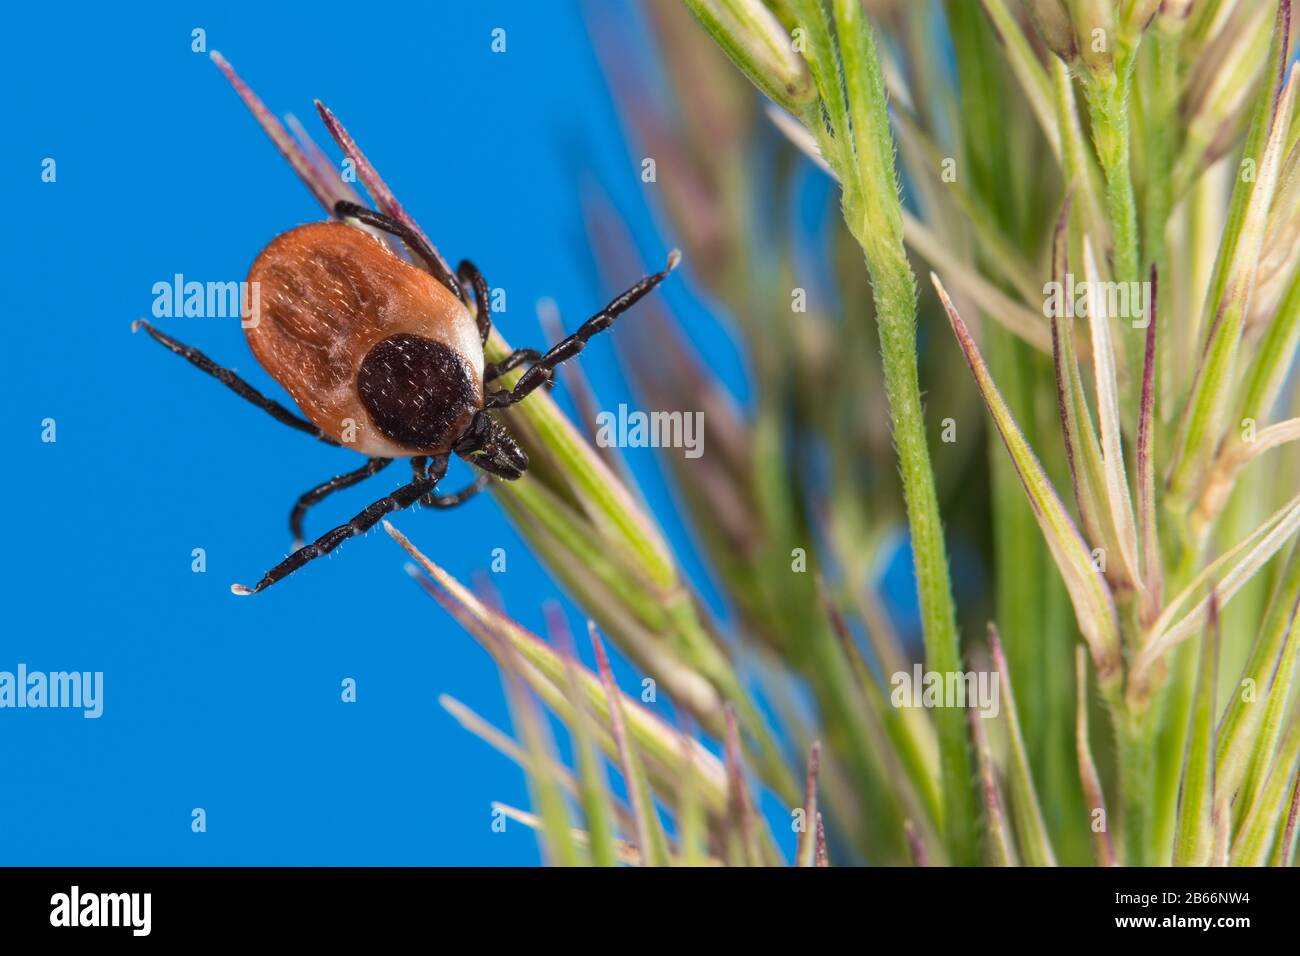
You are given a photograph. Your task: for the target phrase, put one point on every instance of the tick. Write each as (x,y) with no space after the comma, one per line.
(386,358)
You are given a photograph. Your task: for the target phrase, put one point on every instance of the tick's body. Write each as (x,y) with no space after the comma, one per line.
(378,354)
(385,358)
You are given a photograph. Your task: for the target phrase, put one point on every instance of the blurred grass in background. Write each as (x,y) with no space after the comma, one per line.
(1142,576)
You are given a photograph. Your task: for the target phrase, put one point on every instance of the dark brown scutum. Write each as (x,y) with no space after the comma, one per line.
(417,391)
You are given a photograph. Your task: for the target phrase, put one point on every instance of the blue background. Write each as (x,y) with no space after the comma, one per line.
(233,704)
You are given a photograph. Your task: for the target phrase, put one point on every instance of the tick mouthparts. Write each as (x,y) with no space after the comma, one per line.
(135,326)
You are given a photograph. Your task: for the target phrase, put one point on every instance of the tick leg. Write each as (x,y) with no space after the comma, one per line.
(470,276)
(233,382)
(494,370)
(542,370)
(420,470)
(417,244)
(459,497)
(320,492)
(403,497)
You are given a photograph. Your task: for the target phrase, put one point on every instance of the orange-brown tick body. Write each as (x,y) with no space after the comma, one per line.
(378,354)
(385,358)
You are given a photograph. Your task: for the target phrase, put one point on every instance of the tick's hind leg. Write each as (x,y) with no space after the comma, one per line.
(323,491)
(414,241)
(403,497)
(470,276)
(233,382)
(542,370)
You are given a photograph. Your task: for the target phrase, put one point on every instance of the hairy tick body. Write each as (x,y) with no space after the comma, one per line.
(386,358)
